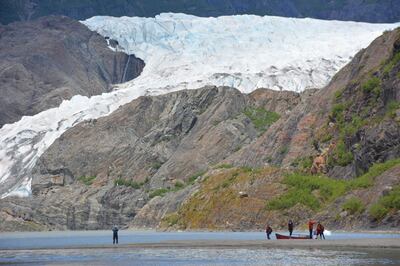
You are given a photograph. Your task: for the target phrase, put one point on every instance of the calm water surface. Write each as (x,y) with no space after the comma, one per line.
(16,249)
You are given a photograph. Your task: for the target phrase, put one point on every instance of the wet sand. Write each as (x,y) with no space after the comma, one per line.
(367,243)
(312,243)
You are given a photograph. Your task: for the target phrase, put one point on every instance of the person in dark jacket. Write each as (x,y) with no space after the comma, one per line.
(290,227)
(115,234)
(320,231)
(268,231)
(311,227)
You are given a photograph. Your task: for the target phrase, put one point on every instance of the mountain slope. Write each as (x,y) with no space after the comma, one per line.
(356,10)
(170,160)
(244,198)
(187,52)
(217,158)
(348,131)
(148,144)
(341,118)
(52,59)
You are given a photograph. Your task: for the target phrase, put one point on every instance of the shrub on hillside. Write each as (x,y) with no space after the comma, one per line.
(377,211)
(158,192)
(371,85)
(87,180)
(261,118)
(385,204)
(314,191)
(130,183)
(353,206)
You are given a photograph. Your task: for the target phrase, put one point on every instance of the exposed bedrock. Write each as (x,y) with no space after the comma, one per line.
(153,141)
(49,60)
(139,165)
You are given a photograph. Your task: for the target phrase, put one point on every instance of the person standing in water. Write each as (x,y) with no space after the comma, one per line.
(311,227)
(115,234)
(290,227)
(268,231)
(320,231)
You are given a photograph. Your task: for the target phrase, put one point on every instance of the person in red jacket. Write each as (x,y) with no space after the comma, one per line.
(320,231)
(311,227)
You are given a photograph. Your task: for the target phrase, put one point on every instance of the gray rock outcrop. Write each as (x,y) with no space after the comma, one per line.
(49,60)
(151,144)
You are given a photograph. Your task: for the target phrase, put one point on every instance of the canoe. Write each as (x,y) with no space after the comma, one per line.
(279,236)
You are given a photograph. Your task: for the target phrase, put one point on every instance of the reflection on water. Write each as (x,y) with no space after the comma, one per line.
(192,256)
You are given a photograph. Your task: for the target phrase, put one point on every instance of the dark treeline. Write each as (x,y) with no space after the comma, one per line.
(356,10)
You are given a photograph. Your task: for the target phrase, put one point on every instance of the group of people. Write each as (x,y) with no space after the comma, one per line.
(268,230)
(319,230)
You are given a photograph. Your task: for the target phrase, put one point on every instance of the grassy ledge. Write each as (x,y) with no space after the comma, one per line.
(87,180)
(316,191)
(130,183)
(386,204)
(261,118)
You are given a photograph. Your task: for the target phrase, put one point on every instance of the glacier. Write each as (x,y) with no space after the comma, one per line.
(245,52)
(187,52)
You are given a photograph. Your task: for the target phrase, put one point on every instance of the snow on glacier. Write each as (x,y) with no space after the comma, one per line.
(188,52)
(246,52)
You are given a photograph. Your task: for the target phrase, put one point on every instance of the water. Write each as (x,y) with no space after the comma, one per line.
(31,240)
(193,256)
(37,248)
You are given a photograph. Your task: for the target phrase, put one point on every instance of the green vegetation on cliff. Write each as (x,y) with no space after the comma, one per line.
(392,107)
(373,85)
(159,192)
(303,163)
(360,105)
(367,179)
(87,180)
(194,177)
(162,191)
(261,118)
(315,191)
(130,183)
(353,206)
(386,204)
(272,192)
(341,156)
(308,190)
(223,166)
(391,64)
(171,219)
(218,201)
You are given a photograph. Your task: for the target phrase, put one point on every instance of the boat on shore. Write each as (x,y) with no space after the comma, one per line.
(279,236)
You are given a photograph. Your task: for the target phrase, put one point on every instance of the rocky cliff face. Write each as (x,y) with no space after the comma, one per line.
(348,131)
(346,111)
(150,146)
(219,159)
(52,59)
(358,10)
